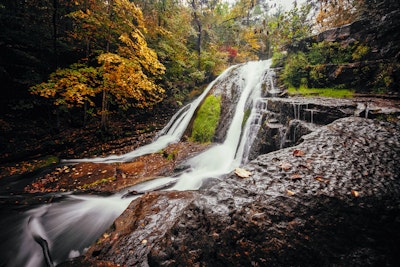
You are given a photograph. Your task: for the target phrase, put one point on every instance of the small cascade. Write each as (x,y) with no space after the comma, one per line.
(255,121)
(282,137)
(296,110)
(270,88)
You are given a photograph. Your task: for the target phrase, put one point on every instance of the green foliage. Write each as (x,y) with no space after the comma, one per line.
(206,120)
(324,92)
(278,59)
(295,69)
(319,64)
(385,77)
(288,28)
(331,52)
(360,52)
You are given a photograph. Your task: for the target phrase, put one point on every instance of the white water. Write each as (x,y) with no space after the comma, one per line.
(171,133)
(73,224)
(223,158)
(68,226)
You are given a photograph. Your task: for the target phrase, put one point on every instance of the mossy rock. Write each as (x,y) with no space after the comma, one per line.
(206,120)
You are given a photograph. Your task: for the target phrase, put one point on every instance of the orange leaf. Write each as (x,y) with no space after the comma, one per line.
(295,176)
(285,166)
(322,179)
(355,193)
(289,192)
(242,173)
(298,153)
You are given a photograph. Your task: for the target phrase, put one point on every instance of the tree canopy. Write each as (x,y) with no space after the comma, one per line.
(110,55)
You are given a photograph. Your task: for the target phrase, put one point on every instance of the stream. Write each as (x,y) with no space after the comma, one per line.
(49,234)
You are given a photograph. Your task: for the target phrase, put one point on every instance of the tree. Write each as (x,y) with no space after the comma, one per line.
(124,70)
(336,13)
(290,27)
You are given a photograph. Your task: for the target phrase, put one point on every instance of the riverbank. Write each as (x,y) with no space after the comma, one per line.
(331,200)
(126,136)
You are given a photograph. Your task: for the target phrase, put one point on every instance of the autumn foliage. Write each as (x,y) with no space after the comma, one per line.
(126,69)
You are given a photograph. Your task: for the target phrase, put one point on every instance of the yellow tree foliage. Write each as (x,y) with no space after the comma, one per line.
(70,87)
(127,82)
(128,70)
(334,13)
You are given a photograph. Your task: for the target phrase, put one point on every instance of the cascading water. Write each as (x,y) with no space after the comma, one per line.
(64,229)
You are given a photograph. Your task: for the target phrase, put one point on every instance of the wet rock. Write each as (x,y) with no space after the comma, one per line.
(134,234)
(286,120)
(270,219)
(255,222)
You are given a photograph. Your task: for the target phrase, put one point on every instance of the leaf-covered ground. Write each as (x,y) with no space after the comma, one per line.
(30,147)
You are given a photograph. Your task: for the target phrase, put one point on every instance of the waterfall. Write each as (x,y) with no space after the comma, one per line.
(66,228)
(223,158)
(171,133)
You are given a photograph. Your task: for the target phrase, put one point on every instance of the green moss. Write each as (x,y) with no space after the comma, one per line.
(246,116)
(49,160)
(206,120)
(169,156)
(101,181)
(324,92)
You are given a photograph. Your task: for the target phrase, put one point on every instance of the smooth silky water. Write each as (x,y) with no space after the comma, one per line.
(70,225)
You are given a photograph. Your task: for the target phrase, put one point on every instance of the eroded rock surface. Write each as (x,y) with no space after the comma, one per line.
(286,120)
(331,200)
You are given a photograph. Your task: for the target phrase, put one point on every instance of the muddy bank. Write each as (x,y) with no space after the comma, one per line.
(331,200)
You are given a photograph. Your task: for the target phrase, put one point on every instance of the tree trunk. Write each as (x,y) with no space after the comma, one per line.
(104,110)
(199,28)
(199,46)
(54,21)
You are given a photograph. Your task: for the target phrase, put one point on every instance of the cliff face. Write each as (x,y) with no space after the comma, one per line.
(376,68)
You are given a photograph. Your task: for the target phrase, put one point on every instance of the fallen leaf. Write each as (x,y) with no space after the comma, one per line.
(322,179)
(242,173)
(298,153)
(355,193)
(285,166)
(305,166)
(290,193)
(295,176)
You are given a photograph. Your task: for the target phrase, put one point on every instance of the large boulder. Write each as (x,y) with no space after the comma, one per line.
(331,200)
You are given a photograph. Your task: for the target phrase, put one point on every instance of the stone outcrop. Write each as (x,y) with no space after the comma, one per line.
(331,200)
(286,120)
(378,30)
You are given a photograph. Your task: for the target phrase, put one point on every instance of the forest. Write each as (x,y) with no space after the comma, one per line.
(82,66)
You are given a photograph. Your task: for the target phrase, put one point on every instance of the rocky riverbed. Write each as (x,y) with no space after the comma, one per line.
(332,200)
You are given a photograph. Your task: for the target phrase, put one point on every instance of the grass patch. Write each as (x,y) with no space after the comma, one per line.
(206,120)
(324,92)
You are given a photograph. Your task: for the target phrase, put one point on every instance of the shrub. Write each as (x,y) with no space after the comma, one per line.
(295,69)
